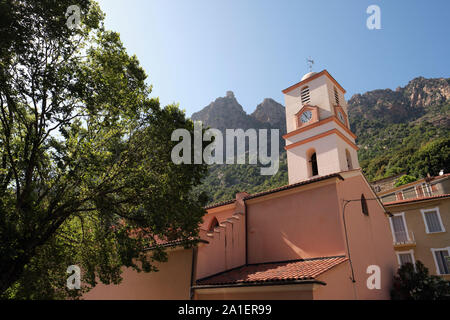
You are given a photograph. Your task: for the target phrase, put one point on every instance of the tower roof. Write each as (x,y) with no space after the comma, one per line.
(311,76)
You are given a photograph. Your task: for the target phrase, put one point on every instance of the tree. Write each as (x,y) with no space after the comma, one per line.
(405,179)
(432,157)
(415,283)
(86,176)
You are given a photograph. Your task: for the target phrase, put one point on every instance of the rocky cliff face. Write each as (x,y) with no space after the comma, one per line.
(402,105)
(272,113)
(227,113)
(422,92)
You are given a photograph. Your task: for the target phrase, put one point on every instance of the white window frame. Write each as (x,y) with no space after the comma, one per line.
(411,252)
(423,211)
(404,223)
(433,250)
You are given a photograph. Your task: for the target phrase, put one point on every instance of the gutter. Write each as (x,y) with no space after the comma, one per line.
(257,284)
(176,244)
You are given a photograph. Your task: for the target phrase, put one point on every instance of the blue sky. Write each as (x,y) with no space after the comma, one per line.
(195,50)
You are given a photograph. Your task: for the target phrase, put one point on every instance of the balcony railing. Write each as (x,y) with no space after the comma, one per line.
(404,239)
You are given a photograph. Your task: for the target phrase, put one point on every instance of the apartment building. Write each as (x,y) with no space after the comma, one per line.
(420,224)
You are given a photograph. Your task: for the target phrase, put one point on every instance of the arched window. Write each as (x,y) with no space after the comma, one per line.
(304,94)
(349,160)
(214,223)
(313,169)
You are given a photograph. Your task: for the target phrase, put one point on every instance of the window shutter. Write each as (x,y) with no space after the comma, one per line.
(432,219)
(336,96)
(399,229)
(305,95)
(442,261)
(405,258)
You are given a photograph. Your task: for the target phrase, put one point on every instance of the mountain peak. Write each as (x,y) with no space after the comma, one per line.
(402,105)
(271,112)
(230,94)
(224,113)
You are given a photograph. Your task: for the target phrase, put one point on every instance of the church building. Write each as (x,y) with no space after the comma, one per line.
(325,235)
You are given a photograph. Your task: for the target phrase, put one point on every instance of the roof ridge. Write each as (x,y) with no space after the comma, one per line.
(284,187)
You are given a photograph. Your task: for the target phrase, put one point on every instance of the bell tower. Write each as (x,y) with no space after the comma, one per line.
(318,139)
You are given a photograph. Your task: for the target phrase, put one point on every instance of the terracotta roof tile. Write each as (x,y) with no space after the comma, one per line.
(219,204)
(175,243)
(305,269)
(417,199)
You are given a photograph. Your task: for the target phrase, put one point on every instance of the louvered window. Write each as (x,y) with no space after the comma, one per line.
(405,258)
(336,96)
(432,221)
(304,94)
(442,261)
(399,228)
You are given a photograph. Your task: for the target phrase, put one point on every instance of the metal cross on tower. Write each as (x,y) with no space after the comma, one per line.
(310,63)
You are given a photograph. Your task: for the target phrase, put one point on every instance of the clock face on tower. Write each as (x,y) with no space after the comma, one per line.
(341,117)
(306,116)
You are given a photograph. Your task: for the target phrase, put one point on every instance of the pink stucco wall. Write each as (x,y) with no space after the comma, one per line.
(284,292)
(299,225)
(172,281)
(226,247)
(370,239)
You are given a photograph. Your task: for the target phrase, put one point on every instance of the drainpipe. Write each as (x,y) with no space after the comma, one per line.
(193,267)
(246,232)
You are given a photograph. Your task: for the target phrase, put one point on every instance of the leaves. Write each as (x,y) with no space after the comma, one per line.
(85,171)
(413,282)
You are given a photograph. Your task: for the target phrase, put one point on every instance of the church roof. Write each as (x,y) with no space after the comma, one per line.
(294,185)
(219,204)
(282,188)
(309,74)
(294,270)
(312,77)
(175,243)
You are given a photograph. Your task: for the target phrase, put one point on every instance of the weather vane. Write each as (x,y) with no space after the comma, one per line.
(310,63)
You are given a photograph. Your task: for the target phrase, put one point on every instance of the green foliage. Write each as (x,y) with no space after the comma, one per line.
(417,284)
(224,181)
(405,179)
(86,176)
(418,148)
(419,159)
